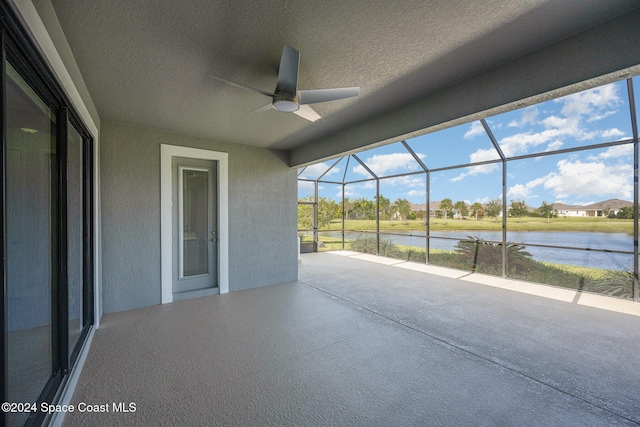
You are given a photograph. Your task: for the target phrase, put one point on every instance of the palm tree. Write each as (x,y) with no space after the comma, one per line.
(385,207)
(445,206)
(487,256)
(403,207)
(476,208)
(461,207)
(347,206)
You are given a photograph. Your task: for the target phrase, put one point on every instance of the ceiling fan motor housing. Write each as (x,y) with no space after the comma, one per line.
(285,102)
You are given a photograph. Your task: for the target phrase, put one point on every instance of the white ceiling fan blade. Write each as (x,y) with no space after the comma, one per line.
(249,88)
(313,96)
(288,71)
(308,113)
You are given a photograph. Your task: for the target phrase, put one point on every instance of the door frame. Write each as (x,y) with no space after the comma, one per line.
(167,152)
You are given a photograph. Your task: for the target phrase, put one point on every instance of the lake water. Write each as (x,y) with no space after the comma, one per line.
(586,240)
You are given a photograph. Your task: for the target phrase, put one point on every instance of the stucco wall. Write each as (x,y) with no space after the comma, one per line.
(262,215)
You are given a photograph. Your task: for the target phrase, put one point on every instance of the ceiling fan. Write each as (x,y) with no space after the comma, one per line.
(286,97)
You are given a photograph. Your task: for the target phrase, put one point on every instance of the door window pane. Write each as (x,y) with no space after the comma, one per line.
(195,217)
(30,216)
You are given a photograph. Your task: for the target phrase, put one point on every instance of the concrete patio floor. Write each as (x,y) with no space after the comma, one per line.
(366,341)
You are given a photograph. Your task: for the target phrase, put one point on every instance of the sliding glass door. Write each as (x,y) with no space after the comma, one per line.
(31,241)
(47,232)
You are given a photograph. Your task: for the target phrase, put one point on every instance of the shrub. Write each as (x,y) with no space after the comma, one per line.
(367,245)
(416,256)
(615,283)
(480,255)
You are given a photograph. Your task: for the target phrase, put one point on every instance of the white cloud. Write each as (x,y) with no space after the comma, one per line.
(385,164)
(524,191)
(480,155)
(554,145)
(475,170)
(519,143)
(555,122)
(493,124)
(581,179)
(306,188)
(596,103)
(483,200)
(614,152)
(567,126)
(315,170)
(351,192)
(612,133)
(557,127)
(577,109)
(403,187)
(596,117)
(416,193)
(404,182)
(474,130)
(358,190)
(529,116)
(519,191)
(577,179)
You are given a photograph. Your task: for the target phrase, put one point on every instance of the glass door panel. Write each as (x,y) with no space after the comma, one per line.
(194,217)
(75,226)
(31,242)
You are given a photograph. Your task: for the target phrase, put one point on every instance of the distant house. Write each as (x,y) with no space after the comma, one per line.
(599,209)
(569,210)
(434,208)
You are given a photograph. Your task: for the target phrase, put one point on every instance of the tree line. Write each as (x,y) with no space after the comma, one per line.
(361,208)
(365,209)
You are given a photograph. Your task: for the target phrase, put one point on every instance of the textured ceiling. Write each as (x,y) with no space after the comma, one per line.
(145,62)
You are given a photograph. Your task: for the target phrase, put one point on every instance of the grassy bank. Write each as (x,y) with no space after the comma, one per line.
(607,282)
(513,224)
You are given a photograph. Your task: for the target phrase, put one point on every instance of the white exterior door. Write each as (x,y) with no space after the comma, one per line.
(195,224)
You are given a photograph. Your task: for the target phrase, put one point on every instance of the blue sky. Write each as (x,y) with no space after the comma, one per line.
(586,118)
